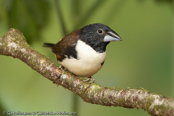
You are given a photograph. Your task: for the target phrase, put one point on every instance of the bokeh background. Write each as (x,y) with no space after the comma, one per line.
(145,57)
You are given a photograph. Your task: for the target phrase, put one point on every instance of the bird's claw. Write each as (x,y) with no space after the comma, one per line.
(90,80)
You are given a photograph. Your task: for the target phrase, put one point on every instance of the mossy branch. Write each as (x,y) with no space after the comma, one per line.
(14,44)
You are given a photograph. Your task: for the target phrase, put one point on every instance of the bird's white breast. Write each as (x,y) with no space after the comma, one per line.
(88,61)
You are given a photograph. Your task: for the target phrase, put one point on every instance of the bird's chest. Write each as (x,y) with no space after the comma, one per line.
(88,61)
(89,58)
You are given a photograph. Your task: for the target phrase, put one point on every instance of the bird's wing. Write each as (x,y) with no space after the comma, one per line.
(66,46)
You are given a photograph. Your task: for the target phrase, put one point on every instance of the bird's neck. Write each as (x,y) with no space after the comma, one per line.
(100,47)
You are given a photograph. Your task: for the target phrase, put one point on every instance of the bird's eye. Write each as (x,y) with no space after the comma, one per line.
(100,31)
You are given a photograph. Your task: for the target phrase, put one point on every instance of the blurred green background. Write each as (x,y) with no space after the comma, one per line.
(145,57)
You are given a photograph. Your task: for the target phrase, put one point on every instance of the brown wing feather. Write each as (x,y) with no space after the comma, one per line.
(61,47)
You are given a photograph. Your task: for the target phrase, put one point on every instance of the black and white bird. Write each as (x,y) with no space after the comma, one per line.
(83,51)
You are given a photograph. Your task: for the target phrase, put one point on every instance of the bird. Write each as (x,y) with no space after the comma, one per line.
(83,51)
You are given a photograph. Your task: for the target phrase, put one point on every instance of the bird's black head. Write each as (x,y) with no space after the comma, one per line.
(98,36)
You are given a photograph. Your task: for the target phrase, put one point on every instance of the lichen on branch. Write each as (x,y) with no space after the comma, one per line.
(13,44)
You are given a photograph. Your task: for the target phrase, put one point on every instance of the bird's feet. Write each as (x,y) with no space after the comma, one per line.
(61,67)
(90,80)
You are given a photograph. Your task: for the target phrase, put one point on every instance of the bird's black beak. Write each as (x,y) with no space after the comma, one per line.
(112,36)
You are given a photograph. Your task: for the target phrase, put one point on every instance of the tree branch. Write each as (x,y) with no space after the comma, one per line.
(14,44)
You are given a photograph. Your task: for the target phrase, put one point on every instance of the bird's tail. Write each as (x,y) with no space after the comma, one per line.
(50,45)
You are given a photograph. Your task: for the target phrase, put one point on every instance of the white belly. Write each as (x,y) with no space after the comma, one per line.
(88,63)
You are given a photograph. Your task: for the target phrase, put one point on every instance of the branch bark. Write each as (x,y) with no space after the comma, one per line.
(13,44)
